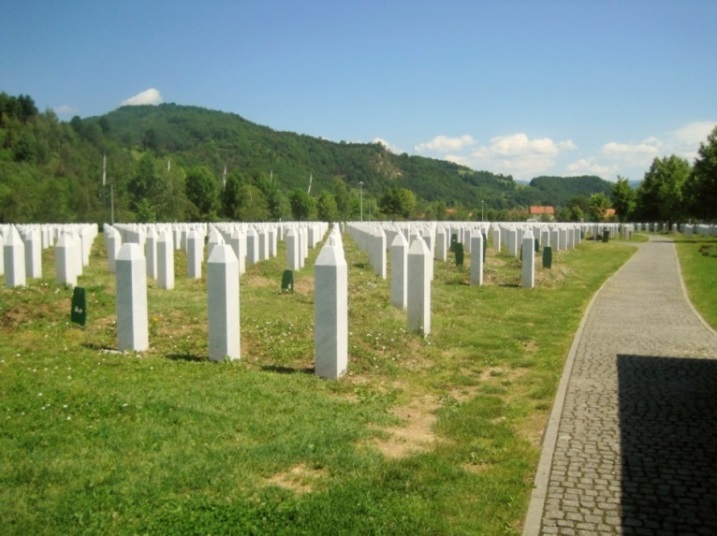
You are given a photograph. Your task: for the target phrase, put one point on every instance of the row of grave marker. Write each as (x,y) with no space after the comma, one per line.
(412,267)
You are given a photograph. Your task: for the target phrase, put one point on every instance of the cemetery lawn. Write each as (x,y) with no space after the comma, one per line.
(698,261)
(436,435)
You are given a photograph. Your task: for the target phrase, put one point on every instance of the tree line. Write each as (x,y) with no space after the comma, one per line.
(673,190)
(183,163)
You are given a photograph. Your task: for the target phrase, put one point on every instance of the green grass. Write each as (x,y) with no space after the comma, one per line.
(698,261)
(436,435)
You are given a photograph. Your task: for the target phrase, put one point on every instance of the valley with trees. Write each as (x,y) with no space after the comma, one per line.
(185,163)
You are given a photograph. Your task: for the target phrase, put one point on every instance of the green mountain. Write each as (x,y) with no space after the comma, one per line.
(197,136)
(167,163)
(558,191)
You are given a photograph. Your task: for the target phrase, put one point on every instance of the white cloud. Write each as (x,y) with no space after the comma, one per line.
(633,150)
(588,166)
(629,158)
(65,109)
(694,133)
(148,96)
(444,144)
(518,155)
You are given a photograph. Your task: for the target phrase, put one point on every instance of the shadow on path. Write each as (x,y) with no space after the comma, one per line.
(668,442)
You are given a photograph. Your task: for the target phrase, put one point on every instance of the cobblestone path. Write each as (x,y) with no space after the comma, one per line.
(631,447)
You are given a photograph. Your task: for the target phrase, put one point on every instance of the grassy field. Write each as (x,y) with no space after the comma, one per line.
(423,436)
(698,261)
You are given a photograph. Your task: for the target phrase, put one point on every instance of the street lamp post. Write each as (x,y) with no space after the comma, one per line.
(361,197)
(482,212)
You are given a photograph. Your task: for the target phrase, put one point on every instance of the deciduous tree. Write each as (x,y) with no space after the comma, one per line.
(599,203)
(701,187)
(301,204)
(623,199)
(660,195)
(202,189)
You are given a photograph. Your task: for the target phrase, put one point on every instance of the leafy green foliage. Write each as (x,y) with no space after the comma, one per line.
(398,202)
(623,199)
(326,208)
(302,205)
(559,191)
(660,195)
(701,187)
(599,203)
(203,192)
(53,157)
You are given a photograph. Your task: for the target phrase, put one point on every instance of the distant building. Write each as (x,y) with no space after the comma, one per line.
(541,212)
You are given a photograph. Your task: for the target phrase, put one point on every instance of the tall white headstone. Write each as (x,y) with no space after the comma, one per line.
(65,251)
(14,251)
(399,270)
(86,239)
(252,246)
(292,250)
(331,311)
(195,254)
(528,273)
(223,303)
(554,239)
(238,243)
(496,238)
(33,254)
(477,259)
(165,260)
(132,325)
(377,254)
(419,288)
(113,243)
(441,252)
(513,244)
(150,252)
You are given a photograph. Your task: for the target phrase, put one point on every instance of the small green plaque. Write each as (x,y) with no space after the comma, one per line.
(78,315)
(547,257)
(287,281)
(459,253)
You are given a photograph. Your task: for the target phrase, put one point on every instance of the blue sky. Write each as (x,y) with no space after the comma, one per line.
(516,87)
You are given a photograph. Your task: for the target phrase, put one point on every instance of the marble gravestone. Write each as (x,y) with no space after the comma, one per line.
(418,301)
(223,303)
(14,260)
(331,311)
(399,267)
(131,296)
(477,259)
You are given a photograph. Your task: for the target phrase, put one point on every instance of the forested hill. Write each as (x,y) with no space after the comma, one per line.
(558,191)
(167,163)
(197,136)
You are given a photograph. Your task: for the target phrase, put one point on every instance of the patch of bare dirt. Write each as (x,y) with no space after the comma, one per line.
(299,479)
(22,313)
(416,434)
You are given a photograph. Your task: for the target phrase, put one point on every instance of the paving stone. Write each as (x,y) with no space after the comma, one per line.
(636,444)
